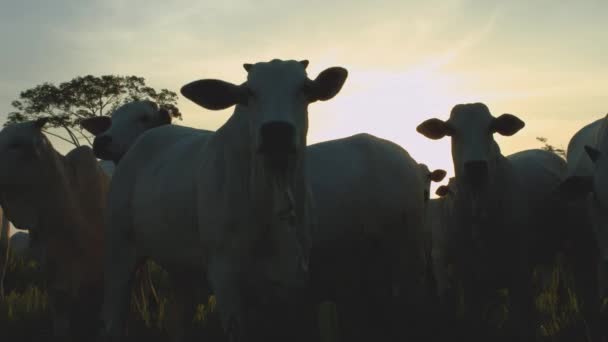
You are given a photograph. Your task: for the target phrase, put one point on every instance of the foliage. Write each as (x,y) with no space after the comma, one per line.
(548,147)
(24,313)
(68,103)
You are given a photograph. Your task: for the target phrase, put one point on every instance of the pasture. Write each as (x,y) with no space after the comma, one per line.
(24,314)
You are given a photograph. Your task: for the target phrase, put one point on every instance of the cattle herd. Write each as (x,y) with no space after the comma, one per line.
(272,227)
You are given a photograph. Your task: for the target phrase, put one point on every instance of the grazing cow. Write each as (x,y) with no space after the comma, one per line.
(245,185)
(368,249)
(59,200)
(113,138)
(493,210)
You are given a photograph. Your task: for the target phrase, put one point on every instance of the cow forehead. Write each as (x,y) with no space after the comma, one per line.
(133,108)
(21,130)
(276,74)
(470,116)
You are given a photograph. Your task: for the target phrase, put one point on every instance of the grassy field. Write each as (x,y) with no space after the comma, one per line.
(24,314)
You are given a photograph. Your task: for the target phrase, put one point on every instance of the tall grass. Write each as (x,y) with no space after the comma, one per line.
(25,316)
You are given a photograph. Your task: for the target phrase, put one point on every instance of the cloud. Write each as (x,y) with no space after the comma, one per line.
(407,60)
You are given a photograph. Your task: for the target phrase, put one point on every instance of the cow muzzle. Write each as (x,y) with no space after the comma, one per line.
(277,138)
(101,147)
(476,174)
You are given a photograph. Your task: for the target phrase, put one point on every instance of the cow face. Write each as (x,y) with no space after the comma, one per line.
(23,149)
(428,177)
(599,181)
(26,159)
(275,97)
(114,136)
(474,150)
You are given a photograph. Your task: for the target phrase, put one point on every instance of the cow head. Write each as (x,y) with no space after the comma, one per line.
(474,150)
(275,97)
(114,136)
(26,159)
(428,177)
(598,183)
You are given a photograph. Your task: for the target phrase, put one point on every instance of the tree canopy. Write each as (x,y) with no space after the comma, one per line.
(548,147)
(83,97)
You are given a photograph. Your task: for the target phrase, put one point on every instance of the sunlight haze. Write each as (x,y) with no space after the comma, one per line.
(408,61)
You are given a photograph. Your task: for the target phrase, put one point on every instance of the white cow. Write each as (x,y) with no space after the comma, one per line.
(114,135)
(59,200)
(117,134)
(343,174)
(497,205)
(368,251)
(587,185)
(245,185)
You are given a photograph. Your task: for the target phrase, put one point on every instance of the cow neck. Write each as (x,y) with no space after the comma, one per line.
(492,198)
(278,203)
(270,193)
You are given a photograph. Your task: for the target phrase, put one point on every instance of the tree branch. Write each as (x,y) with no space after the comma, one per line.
(74,139)
(84,136)
(58,136)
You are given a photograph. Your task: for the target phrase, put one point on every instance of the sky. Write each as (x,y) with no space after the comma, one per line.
(408,61)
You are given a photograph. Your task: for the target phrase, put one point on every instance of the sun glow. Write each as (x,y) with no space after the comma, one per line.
(390,104)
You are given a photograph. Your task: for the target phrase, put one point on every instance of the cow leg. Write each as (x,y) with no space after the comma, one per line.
(184,300)
(522,301)
(602,281)
(586,283)
(351,319)
(120,265)
(224,281)
(410,292)
(584,268)
(60,311)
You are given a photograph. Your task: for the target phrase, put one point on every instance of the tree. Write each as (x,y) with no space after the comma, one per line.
(84,97)
(548,147)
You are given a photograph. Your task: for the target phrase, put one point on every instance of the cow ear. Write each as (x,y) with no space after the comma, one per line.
(434,129)
(165,116)
(40,122)
(437,175)
(575,187)
(507,124)
(327,85)
(247,66)
(215,94)
(593,153)
(96,125)
(442,191)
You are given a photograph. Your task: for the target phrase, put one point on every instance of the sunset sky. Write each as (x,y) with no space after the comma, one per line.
(544,61)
